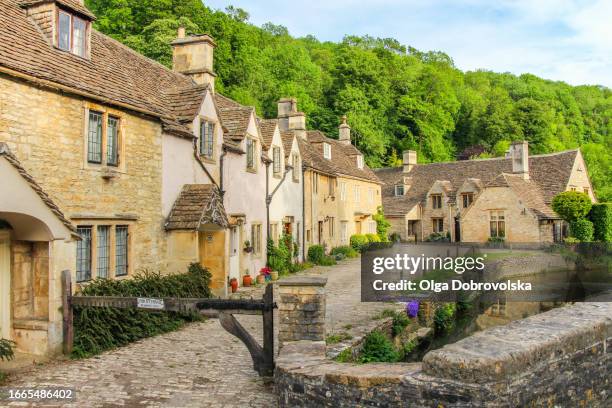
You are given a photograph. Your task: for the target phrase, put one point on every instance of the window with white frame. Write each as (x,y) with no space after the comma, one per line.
(399,190)
(207,139)
(315,183)
(332,226)
(256,238)
(360,162)
(344,232)
(342,191)
(372,226)
(357,194)
(276,160)
(327,151)
(437,224)
(72,33)
(331,183)
(370,195)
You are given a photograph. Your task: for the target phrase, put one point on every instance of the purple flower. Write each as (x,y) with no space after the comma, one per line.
(412,308)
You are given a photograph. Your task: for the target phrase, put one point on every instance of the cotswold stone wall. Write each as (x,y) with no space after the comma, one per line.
(558,358)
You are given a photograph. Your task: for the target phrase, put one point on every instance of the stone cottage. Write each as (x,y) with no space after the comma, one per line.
(505,198)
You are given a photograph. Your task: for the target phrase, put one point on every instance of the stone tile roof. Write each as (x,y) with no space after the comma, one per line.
(184,102)
(530,194)
(114,73)
(287,142)
(223,102)
(549,172)
(311,159)
(196,206)
(73,5)
(267,127)
(236,121)
(10,157)
(343,163)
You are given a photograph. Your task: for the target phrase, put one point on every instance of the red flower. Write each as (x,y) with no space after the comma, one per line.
(265,270)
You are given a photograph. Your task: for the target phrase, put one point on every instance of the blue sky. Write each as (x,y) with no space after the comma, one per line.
(568,40)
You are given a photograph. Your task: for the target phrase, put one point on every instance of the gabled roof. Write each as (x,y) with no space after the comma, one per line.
(236,121)
(10,157)
(530,195)
(287,138)
(72,5)
(267,128)
(197,205)
(342,163)
(312,158)
(184,102)
(550,172)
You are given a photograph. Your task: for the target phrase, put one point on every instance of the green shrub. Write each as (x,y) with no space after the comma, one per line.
(582,229)
(444,319)
(496,239)
(378,348)
(99,329)
(358,242)
(327,261)
(280,257)
(400,322)
(345,250)
(315,254)
(601,217)
(437,237)
(382,225)
(571,205)
(7,349)
(373,238)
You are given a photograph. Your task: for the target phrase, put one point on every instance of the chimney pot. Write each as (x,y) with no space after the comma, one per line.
(289,118)
(181,32)
(409,160)
(193,56)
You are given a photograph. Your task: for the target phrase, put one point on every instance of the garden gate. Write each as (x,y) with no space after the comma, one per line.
(263,357)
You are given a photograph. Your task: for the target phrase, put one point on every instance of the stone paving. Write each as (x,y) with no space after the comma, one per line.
(199,366)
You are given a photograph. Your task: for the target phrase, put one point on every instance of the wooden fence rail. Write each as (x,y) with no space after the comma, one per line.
(263,357)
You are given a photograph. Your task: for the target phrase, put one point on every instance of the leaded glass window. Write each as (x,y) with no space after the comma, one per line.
(103,251)
(121,250)
(83,257)
(64,31)
(112,141)
(94,139)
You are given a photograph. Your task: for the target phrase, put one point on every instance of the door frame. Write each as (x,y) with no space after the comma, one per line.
(5,285)
(234,258)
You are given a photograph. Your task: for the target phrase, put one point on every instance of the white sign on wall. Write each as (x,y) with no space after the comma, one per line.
(150,303)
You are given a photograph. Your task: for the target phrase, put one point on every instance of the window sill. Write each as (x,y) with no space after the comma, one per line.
(209,160)
(254,171)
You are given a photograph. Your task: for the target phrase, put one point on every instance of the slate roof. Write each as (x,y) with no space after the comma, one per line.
(549,172)
(267,127)
(197,205)
(236,121)
(10,157)
(343,157)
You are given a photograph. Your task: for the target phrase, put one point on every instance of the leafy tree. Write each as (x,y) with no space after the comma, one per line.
(382,225)
(572,205)
(582,229)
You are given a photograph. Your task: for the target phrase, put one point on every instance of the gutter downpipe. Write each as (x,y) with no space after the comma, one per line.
(303,213)
(270,195)
(221,171)
(197,157)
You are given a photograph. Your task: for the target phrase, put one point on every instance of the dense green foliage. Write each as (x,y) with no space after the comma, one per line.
(582,229)
(395,97)
(346,251)
(601,217)
(372,238)
(400,322)
(280,257)
(7,349)
(378,348)
(98,329)
(571,205)
(444,319)
(358,242)
(382,224)
(438,237)
(315,253)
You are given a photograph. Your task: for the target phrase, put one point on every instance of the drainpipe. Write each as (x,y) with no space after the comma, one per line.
(303,214)
(221,172)
(197,157)
(270,195)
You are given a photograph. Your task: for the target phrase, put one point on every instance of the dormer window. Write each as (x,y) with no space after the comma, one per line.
(399,190)
(71,33)
(327,151)
(360,162)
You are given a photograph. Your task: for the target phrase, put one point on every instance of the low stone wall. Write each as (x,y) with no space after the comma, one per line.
(558,358)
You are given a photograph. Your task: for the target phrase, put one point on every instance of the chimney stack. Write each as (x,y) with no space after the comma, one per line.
(193,56)
(519,151)
(409,160)
(344,132)
(289,118)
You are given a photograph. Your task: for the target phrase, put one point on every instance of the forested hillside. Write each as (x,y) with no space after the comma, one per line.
(396,97)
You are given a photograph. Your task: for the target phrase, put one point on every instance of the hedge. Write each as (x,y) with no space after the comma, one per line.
(358,242)
(346,251)
(373,238)
(582,229)
(601,217)
(99,329)
(571,205)
(315,254)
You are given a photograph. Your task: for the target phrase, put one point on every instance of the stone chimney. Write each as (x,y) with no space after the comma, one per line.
(344,132)
(519,151)
(289,118)
(409,160)
(193,56)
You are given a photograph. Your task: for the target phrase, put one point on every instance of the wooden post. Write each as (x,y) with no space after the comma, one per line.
(268,332)
(67,314)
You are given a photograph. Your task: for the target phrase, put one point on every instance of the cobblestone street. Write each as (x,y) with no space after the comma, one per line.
(199,366)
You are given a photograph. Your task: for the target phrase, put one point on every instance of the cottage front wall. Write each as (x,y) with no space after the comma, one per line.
(579,178)
(245,196)
(208,112)
(429,213)
(357,214)
(47,132)
(321,209)
(521,225)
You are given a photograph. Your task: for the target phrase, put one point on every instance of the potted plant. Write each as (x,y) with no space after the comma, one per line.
(274,275)
(234,284)
(261,278)
(247,280)
(247,247)
(265,273)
